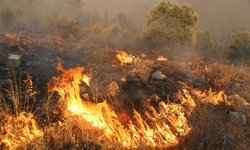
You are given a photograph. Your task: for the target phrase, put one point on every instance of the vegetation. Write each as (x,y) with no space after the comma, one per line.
(171,24)
(62,26)
(7,16)
(204,40)
(239,44)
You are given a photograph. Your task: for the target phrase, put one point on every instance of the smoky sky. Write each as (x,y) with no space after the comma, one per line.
(218,15)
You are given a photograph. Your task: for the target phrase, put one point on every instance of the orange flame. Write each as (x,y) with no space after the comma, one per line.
(122,56)
(161,58)
(160,129)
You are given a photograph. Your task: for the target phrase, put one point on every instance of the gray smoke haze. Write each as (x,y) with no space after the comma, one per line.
(218,15)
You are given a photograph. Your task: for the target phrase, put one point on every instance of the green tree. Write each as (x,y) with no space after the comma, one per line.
(170,24)
(7,16)
(62,26)
(123,21)
(240,44)
(204,40)
(115,29)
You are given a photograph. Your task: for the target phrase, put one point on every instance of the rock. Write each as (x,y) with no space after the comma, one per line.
(134,61)
(190,63)
(123,80)
(129,60)
(158,75)
(238,118)
(121,64)
(112,86)
(58,59)
(20,49)
(124,70)
(238,100)
(143,55)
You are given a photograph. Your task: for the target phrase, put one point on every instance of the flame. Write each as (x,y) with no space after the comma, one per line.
(160,129)
(122,56)
(161,58)
(18,131)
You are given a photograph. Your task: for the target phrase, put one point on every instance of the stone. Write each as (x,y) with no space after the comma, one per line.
(134,61)
(21,49)
(238,100)
(158,75)
(129,60)
(143,55)
(238,118)
(58,59)
(123,80)
(38,64)
(112,86)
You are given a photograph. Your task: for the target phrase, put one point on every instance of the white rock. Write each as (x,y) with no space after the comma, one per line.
(238,118)
(158,75)
(129,60)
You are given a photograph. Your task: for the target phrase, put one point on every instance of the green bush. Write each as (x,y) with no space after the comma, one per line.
(62,26)
(171,24)
(204,40)
(240,44)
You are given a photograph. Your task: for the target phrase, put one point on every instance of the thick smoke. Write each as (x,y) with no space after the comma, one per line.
(221,16)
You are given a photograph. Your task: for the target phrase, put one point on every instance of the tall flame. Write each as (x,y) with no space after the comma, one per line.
(161,129)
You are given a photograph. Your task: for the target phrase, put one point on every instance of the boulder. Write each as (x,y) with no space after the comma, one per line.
(238,118)
(129,60)
(158,75)
(21,49)
(237,100)
(143,55)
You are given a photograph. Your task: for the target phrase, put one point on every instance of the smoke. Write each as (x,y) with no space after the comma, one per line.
(221,16)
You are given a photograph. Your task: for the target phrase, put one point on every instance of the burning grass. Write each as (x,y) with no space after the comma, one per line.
(189,118)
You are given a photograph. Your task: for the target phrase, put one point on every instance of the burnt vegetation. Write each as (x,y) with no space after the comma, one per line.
(89,79)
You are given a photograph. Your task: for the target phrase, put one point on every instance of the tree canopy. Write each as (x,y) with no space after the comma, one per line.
(170,24)
(240,43)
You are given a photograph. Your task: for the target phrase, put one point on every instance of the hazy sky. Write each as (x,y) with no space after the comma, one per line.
(218,15)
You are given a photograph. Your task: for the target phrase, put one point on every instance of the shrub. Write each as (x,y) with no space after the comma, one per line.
(239,44)
(204,40)
(62,26)
(170,24)
(7,16)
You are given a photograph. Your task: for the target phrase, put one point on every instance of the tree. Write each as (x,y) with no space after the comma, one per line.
(115,29)
(62,25)
(240,44)
(123,21)
(7,16)
(36,22)
(204,40)
(105,18)
(170,24)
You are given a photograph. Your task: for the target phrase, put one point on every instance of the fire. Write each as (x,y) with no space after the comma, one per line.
(122,56)
(161,58)
(161,128)
(16,132)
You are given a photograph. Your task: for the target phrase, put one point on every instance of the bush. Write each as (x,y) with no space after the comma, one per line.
(204,40)
(240,44)
(7,16)
(62,26)
(170,24)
